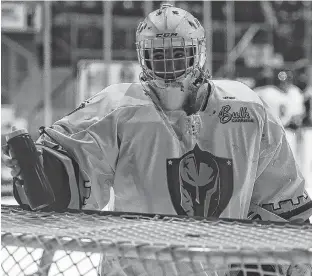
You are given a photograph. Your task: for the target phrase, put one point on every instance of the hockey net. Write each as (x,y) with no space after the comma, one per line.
(87,242)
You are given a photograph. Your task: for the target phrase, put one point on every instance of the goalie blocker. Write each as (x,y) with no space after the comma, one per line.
(60,173)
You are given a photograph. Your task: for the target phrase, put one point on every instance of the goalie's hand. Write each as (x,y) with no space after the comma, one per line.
(9,160)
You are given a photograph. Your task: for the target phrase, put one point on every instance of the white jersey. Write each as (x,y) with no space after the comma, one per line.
(296,99)
(283,105)
(235,164)
(277,100)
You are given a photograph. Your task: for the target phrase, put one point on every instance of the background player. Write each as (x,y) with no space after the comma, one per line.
(286,102)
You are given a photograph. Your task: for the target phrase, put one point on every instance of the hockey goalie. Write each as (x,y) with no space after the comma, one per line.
(179,142)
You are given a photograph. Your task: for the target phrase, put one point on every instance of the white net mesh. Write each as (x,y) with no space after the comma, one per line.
(72,243)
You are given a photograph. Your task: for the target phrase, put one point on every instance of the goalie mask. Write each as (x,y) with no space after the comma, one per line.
(170,45)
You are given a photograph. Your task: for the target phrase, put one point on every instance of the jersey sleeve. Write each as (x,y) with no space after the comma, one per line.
(279,187)
(89,135)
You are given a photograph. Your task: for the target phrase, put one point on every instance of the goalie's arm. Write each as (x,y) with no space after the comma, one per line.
(89,137)
(71,163)
(280,186)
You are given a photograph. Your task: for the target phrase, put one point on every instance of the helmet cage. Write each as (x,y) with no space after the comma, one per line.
(194,57)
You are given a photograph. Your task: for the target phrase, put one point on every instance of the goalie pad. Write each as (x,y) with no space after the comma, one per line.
(64,176)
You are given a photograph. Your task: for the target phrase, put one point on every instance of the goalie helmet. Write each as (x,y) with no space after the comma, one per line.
(170,45)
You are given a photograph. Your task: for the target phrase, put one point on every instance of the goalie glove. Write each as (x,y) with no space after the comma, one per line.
(66,180)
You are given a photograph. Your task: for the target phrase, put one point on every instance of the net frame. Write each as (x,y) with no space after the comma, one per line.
(165,238)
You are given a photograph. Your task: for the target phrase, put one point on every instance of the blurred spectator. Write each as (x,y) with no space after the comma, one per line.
(286,101)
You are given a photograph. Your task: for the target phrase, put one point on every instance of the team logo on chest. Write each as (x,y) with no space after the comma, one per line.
(241,116)
(200,184)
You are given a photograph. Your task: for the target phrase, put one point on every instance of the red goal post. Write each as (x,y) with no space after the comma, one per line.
(149,244)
